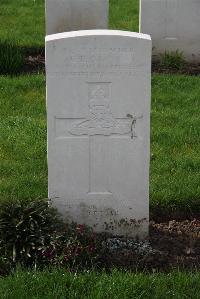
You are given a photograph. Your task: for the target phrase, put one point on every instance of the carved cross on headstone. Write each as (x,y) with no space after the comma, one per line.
(100,125)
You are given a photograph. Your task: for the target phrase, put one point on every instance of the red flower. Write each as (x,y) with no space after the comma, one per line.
(81,228)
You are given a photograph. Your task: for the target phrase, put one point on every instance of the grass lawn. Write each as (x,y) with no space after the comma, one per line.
(117,285)
(23,137)
(124,15)
(175,144)
(175,141)
(23,21)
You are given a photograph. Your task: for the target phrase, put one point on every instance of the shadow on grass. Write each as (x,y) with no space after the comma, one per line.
(13,57)
(177,210)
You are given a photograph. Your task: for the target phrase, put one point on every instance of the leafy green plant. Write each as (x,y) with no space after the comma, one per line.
(11,58)
(32,234)
(25,228)
(173,59)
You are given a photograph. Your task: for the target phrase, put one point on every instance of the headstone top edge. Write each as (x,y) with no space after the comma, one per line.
(97,32)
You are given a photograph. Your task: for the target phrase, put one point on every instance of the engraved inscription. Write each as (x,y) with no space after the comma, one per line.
(100,57)
(116,73)
(89,61)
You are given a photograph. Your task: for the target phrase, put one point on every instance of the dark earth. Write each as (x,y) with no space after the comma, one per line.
(34,64)
(171,245)
(186,69)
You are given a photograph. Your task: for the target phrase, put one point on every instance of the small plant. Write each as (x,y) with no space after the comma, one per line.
(25,228)
(32,234)
(173,60)
(11,58)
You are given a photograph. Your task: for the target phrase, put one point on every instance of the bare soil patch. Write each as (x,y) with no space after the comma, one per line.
(171,245)
(34,64)
(187,69)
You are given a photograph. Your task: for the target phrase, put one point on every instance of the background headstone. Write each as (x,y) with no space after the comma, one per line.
(173,25)
(71,15)
(98,106)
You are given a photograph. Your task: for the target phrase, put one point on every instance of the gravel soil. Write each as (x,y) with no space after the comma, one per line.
(171,245)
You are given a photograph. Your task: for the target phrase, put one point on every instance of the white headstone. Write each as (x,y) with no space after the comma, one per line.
(98,106)
(71,15)
(173,25)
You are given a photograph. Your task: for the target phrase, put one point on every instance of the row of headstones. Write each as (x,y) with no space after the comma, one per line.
(172,24)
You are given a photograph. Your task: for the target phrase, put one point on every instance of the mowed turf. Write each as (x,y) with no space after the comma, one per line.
(175,145)
(23,21)
(124,15)
(175,141)
(23,137)
(60,284)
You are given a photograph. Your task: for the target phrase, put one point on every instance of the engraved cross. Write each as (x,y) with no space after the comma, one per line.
(100,125)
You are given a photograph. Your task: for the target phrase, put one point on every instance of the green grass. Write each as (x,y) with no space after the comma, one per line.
(175,144)
(23,137)
(124,15)
(22,28)
(60,284)
(175,141)
(23,21)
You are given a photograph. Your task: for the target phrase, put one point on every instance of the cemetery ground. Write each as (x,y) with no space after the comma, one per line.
(61,284)
(174,173)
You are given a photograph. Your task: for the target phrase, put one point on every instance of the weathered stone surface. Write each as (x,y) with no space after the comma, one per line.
(71,15)
(98,106)
(172,24)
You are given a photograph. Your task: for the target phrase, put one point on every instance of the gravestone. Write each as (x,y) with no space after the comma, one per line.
(173,25)
(71,15)
(98,107)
